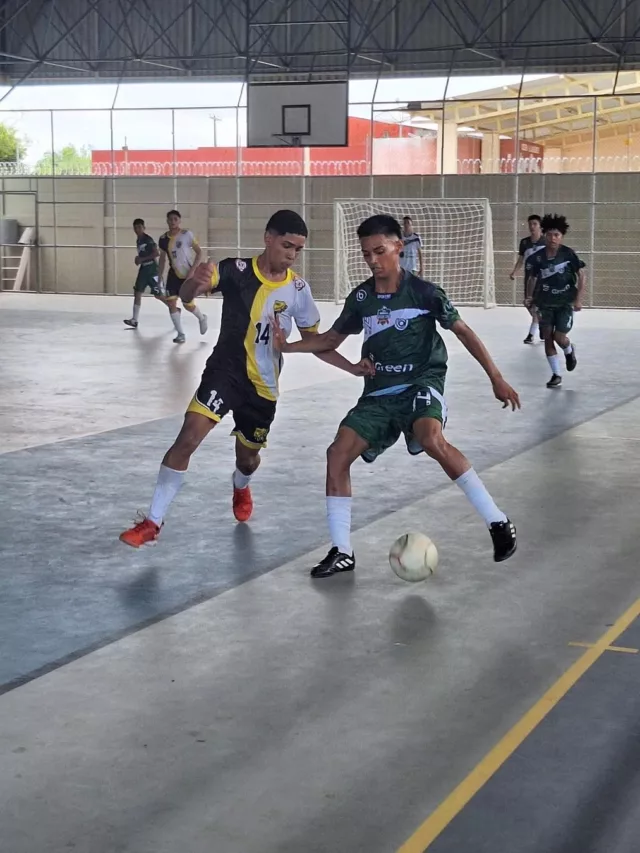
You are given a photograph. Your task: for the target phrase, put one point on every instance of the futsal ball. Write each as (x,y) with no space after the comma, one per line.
(413,557)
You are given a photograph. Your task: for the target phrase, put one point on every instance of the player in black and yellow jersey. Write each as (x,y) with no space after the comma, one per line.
(242,372)
(181,248)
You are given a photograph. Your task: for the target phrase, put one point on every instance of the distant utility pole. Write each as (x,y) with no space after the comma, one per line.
(215,121)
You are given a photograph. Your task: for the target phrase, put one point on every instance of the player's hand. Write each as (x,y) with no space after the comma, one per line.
(512,277)
(577,306)
(528,302)
(365,367)
(278,336)
(505,393)
(202,274)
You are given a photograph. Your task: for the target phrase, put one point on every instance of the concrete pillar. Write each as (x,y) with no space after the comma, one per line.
(490,153)
(447,157)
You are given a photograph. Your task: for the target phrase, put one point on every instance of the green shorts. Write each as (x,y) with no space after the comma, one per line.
(148,278)
(559,317)
(382,420)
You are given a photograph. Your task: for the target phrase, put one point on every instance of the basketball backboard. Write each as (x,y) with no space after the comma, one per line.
(281,115)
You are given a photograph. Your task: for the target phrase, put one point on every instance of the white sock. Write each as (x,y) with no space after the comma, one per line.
(339,520)
(167,487)
(177,322)
(533,328)
(136,311)
(554,364)
(197,313)
(240,480)
(568,349)
(479,497)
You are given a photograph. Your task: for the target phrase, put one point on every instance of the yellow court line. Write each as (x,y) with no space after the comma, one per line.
(482,772)
(608,649)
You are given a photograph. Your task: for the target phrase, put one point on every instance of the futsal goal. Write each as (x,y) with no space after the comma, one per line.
(457,244)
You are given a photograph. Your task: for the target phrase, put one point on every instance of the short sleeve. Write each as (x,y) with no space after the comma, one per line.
(195,244)
(305,313)
(163,243)
(576,262)
(215,277)
(419,241)
(223,274)
(522,248)
(444,310)
(350,320)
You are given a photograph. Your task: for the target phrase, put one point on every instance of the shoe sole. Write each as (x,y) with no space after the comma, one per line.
(149,544)
(331,573)
(506,556)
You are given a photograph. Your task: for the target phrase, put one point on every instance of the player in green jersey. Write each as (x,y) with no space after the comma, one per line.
(555,282)
(397,311)
(147,262)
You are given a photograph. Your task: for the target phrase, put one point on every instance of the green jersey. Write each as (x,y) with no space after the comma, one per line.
(556,278)
(400,334)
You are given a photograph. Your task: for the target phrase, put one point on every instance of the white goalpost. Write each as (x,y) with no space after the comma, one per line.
(457,244)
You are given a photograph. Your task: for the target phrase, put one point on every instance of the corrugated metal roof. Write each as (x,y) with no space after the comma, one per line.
(298,38)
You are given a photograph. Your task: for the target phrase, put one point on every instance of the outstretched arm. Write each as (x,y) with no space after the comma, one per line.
(326,342)
(518,264)
(362,368)
(472,343)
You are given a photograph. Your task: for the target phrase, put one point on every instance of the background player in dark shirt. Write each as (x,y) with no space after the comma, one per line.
(398,312)
(555,282)
(528,246)
(146,261)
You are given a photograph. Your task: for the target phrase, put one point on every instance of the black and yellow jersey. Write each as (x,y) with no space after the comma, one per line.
(244,348)
(180,249)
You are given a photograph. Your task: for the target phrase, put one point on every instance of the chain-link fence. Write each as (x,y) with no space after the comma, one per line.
(85,242)
(565,144)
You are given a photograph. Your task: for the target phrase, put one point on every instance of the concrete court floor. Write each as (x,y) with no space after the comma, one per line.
(206,695)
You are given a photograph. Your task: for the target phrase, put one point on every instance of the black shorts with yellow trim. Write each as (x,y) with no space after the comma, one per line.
(174,283)
(220,392)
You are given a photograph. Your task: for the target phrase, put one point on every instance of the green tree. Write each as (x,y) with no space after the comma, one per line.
(68,160)
(12,148)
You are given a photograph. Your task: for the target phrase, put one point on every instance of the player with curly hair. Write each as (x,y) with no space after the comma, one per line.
(555,284)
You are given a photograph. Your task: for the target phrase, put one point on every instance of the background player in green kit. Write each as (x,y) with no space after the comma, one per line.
(146,261)
(397,312)
(555,282)
(529,246)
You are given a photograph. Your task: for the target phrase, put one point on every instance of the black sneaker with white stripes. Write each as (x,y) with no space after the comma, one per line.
(571,359)
(334,562)
(503,534)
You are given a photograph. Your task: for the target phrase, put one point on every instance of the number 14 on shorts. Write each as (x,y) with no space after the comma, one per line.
(214,402)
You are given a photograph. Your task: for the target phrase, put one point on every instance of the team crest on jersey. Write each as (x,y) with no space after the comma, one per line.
(401,324)
(279,306)
(179,244)
(361,295)
(260,434)
(383,316)
(299,283)
(241,265)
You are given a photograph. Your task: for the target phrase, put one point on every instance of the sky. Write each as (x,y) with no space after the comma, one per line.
(30,108)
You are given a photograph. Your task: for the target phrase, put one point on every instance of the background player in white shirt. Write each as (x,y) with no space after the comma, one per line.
(411,257)
(181,248)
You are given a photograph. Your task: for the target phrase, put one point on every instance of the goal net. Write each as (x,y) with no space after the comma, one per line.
(457,244)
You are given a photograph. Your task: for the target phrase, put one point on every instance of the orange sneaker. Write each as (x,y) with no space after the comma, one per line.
(242,504)
(144,532)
